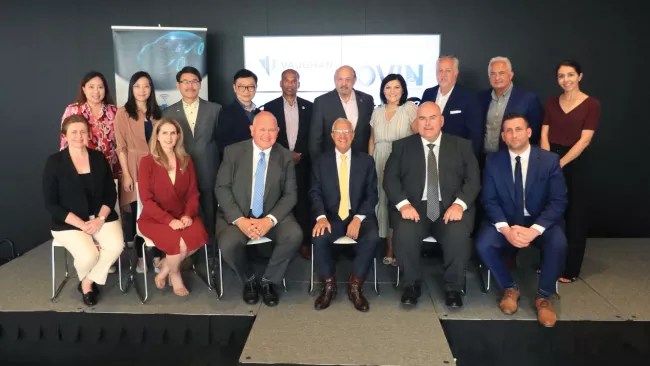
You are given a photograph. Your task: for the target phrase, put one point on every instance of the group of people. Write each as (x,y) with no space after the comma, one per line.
(337,167)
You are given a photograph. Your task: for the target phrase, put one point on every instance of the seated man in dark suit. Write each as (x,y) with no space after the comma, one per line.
(236,118)
(344,207)
(524,195)
(432,179)
(256,190)
(504,98)
(459,105)
(294,116)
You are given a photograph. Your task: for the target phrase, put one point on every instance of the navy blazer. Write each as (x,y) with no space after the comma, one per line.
(462,114)
(325,193)
(276,107)
(522,102)
(233,125)
(545,191)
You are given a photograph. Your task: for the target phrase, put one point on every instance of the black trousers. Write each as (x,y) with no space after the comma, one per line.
(576,215)
(302,209)
(454,238)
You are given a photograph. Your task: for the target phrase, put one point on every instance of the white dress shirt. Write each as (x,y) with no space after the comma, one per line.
(191,111)
(525,158)
(256,158)
(351,109)
(348,155)
(436,152)
(441,100)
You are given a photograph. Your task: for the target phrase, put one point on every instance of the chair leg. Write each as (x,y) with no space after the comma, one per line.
(557,288)
(55,290)
(284,284)
(205,279)
(129,279)
(220,294)
(397,283)
(311,277)
(144,275)
(481,280)
(465,283)
(488,280)
(375,270)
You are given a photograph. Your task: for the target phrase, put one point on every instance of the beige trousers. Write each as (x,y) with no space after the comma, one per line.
(90,262)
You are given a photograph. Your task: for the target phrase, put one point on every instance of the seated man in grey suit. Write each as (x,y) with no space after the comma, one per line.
(432,179)
(256,189)
(344,206)
(342,102)
(198,119)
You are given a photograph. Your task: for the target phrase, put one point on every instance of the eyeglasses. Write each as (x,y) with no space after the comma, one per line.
(342,131)
(193,82)
(250,88)
(270,130)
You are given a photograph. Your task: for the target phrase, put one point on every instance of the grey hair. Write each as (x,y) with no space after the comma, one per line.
(456,61)
(341,119)
(500,59)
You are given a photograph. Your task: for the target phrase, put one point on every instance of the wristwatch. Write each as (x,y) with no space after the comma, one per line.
(103,218)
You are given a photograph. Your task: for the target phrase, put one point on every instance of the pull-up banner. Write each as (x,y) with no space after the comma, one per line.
(162,52)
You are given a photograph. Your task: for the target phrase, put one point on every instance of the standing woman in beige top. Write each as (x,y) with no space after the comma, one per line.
(133,127)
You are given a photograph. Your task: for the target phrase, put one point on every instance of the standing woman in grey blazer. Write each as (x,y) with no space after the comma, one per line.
(198,119)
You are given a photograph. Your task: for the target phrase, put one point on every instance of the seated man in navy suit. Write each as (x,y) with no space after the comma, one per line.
(344,207)
(504,98)
(459,105)
(524,195)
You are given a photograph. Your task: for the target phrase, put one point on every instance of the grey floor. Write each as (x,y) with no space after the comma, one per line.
(614,285)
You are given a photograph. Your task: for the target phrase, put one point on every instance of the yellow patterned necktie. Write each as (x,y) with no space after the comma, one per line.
(344,209)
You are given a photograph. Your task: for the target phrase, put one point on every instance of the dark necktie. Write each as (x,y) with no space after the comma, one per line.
(519,193)
(433,200)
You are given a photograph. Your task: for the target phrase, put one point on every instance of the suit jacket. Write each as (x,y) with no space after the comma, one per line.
(63,190)
(522,102)
(233,125)
(462,114)
(545,191)
(202,146)
(327,108)
(325,192)
(235,181)
(276,107)
(458,173)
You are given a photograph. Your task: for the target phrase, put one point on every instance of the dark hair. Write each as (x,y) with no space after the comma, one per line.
(75,118)
(244,73)
(514,115)
(188,70)
(153,109)
(570,63)
(81,98)
(402,82)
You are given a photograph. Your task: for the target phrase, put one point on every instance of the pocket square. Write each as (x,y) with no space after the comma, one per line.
(455,112)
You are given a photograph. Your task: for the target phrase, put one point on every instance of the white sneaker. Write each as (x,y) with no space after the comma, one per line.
(156,264)
(112,269)
(140,267)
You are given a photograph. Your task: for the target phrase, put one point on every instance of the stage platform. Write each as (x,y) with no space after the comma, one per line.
(603,315)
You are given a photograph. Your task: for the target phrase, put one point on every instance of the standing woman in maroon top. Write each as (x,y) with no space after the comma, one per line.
(570,121)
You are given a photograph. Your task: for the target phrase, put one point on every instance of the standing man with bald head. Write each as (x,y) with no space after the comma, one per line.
(342,102)
(294,116)
(459,105)
(432,179)
(256,189)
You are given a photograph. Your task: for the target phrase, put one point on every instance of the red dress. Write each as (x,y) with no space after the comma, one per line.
(164,201)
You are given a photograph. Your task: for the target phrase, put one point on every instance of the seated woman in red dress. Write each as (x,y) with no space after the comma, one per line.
(170,199)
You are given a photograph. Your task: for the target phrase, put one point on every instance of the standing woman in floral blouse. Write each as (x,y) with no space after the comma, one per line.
(96,104)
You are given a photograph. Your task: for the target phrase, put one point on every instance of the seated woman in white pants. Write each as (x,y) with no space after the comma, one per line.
(79,192)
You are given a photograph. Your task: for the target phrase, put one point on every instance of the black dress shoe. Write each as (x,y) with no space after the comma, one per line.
(89,298)
(454,299)
(269,296)
(251,296)
(410,295)
(95,288)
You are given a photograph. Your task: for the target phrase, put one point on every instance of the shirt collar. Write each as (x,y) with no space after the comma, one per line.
(524,156)
(504,95)
(295,102)
(191,105)
(257,150)
(426,142)
(348,154)
(253,106)
(353,97)
(448,94)
(85,108)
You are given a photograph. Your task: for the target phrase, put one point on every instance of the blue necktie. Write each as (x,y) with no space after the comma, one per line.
(519,193)
(258,190)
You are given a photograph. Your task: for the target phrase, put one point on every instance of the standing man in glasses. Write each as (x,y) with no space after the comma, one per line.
(198,119)
(236,118)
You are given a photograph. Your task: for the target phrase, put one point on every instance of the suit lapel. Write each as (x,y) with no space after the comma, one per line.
(247,169)
(200,116)
(533,169)
(506,172)
(444,159)
(354,177)
(450,101)
(282,123)
(273,170)
(303,122)
(338,105)
(418,160)
(181,118)
(512,101)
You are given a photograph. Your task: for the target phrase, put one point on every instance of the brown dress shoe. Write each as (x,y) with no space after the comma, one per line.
(508,303)
(355,294)
(327,293)
(545,313)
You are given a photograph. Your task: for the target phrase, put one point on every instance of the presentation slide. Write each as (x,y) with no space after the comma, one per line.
(316,58)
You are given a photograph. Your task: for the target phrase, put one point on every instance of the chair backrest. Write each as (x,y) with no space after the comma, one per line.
(261,240)
(139,202)
(430,239)
(117,201)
